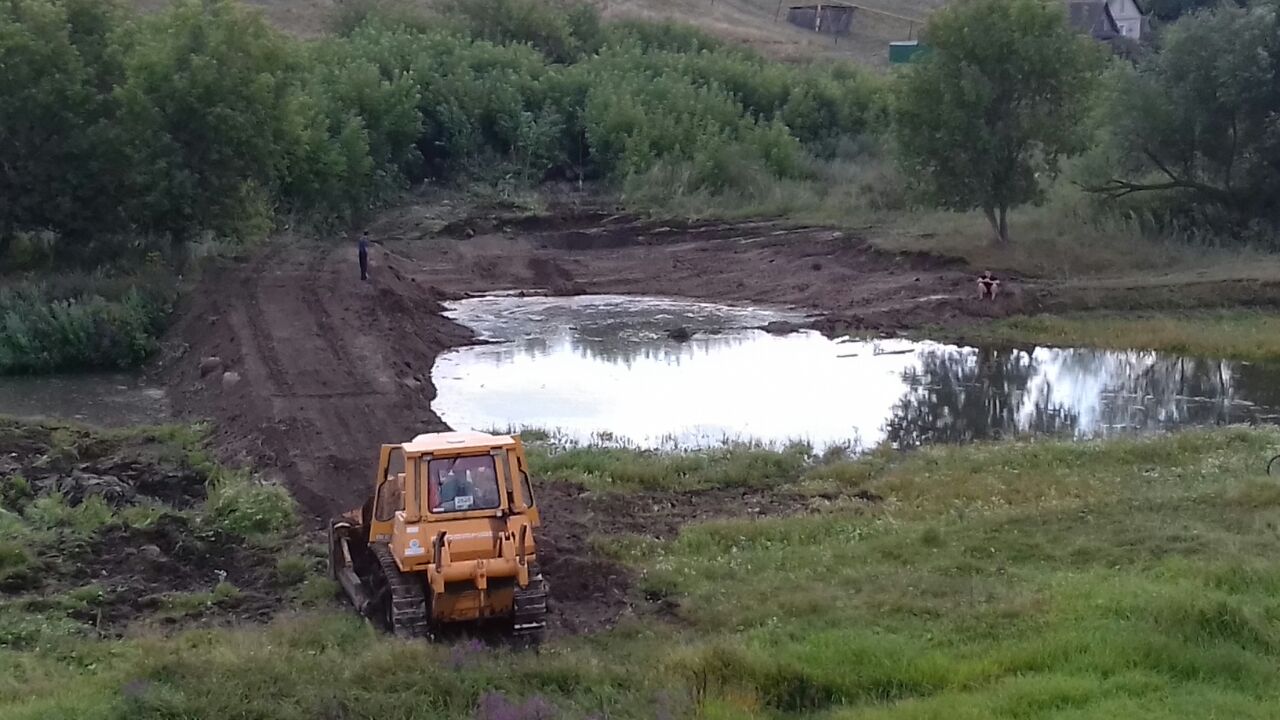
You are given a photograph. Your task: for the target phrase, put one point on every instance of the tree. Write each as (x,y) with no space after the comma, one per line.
(1171,10)
(1199,118)
(210,108)
(994,104)
(57,161)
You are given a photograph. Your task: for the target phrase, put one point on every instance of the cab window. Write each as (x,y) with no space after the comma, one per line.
(391,491)
(526,488)
(462,484)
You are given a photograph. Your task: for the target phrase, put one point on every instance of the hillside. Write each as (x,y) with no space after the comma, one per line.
(752,22)
(749,22)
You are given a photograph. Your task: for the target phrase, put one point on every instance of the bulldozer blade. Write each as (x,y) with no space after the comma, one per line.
(343,572)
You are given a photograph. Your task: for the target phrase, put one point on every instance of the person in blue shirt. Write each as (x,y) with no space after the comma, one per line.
(364,256)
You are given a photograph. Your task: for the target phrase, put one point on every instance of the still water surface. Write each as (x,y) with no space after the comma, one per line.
(596,366)
(103,399)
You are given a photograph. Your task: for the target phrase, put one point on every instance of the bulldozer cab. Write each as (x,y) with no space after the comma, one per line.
(446,477)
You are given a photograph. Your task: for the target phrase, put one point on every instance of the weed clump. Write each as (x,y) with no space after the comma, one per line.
(240,505)
(18,571)
(292,570)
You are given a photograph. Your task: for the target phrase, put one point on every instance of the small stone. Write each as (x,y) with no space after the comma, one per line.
(230,379)
(151,552)
(210,365)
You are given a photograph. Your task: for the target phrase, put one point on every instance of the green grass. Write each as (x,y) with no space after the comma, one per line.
(1093,258)
(1095,580)
(608,465)
(626,469)
(182,604)
(1234,334)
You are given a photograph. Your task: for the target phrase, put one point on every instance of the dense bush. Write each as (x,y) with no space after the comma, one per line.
(563,31)
(243,506)
(123,136)
(44,328)
(202,120)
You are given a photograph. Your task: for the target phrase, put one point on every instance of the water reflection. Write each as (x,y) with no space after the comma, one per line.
(609,328)
(587,365)
(614,349)
(962,394)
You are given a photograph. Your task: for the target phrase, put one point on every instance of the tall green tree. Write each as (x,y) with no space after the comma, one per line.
(58,163)
(210,106)
(1199,120)
(1000,98)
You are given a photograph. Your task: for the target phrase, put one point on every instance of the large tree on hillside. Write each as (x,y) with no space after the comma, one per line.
(1201,119)
(997,100)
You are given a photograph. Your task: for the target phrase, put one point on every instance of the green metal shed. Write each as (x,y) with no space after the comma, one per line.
(903,51)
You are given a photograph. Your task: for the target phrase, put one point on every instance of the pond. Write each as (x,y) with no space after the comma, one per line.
(609,368)
(102,399)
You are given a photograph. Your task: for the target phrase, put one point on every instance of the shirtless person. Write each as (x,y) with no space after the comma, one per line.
(988,286)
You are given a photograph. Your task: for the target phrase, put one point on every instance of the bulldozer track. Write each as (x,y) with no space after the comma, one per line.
(407,614)
(262,343)
(529,619)
(325,327)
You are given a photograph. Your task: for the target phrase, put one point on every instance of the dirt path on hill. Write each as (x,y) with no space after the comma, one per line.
(306,370)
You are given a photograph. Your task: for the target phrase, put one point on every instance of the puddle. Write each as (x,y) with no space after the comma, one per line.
(101,399)
(605,366)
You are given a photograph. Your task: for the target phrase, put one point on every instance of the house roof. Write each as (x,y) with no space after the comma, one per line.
(1093,17)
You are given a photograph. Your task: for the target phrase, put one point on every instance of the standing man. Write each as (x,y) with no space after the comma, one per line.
(364,256)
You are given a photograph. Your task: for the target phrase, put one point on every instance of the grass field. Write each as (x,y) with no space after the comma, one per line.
(1231,334)
(1033,580)
(753,23)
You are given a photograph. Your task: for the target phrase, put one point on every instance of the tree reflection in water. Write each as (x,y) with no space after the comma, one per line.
(960,395)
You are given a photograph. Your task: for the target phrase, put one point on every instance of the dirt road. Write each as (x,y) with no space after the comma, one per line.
(316,368)
(305,369)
